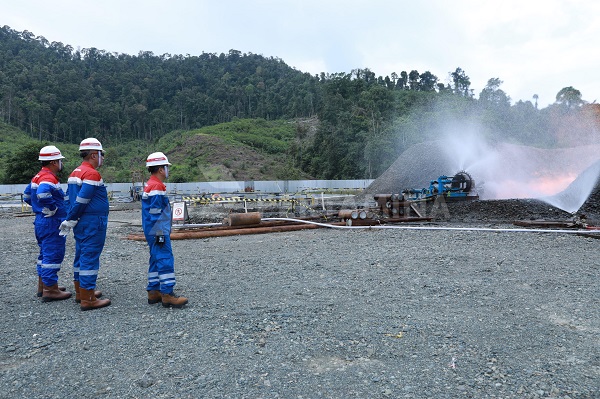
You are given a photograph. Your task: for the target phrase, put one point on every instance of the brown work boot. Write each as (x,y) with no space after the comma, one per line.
(53,293)
(97,294)
(89,301)
(173,300)
(154,296)
(40,290)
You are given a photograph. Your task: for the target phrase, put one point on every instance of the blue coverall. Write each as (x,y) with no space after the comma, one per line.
(44,191)
(89,204)
(156,221)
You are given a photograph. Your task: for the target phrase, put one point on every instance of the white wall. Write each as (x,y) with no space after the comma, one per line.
(273,186)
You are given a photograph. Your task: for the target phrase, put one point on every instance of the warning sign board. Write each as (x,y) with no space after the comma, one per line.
(180,213)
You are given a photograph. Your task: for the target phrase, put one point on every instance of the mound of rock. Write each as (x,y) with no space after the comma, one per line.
(413,168)
(591,207)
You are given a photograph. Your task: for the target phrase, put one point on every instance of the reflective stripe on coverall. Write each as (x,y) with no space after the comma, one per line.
(156,221)
(89,205)
(44,191)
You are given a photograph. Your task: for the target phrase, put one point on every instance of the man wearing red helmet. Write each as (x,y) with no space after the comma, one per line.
(88,217)
(47,200)
(156,221)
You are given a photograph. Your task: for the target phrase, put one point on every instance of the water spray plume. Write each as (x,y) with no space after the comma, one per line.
(575,195)
(465,148)
(509,171)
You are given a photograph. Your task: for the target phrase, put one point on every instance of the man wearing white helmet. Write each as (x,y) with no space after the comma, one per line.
(47,200)
(156,221)
(88,217)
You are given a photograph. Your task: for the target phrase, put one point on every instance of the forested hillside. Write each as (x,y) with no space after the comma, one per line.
(244,149)
(55,92)
(361,122)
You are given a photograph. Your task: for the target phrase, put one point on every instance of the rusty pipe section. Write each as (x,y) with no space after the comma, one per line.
(355,214)
(238,224)
(243,219)
(207,233)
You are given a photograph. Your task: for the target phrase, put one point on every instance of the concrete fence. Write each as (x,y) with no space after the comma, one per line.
(223,191)
(220,187)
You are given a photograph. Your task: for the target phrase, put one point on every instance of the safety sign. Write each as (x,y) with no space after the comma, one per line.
(180,213)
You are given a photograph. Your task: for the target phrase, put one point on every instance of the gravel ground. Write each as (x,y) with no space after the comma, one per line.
(322,313)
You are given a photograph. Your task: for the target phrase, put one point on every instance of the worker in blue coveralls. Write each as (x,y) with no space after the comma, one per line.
(88,217)
(156,221)
(47,200)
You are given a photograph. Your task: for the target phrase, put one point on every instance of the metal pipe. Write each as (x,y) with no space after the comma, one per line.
(349,214)
(221,226)
(192,225)
(183,235)
(243,219)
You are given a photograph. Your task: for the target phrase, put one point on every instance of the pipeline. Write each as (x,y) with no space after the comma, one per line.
(195,225)
(228,231)
(437,228)
(219,230)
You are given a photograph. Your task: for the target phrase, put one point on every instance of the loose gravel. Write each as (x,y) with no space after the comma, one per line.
(324,313)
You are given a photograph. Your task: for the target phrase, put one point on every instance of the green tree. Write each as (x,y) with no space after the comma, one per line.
(413,79)
(427,81)
(492,95)
(461,82)
(569,97)
(23,164)
(402,81)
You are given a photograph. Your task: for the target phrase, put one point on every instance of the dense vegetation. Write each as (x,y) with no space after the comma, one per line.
(55,92)
(244,149)
(222,115)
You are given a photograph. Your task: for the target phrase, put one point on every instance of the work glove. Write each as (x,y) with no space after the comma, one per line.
(159,240)
(48,213)
(66,226)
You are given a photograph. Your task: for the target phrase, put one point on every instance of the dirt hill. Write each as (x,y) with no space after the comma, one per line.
(228,152)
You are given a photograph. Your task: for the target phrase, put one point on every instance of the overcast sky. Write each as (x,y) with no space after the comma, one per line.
(533,47)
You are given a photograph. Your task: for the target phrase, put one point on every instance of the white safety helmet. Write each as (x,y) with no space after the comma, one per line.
(50,153)
(90,144)
(157,159)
